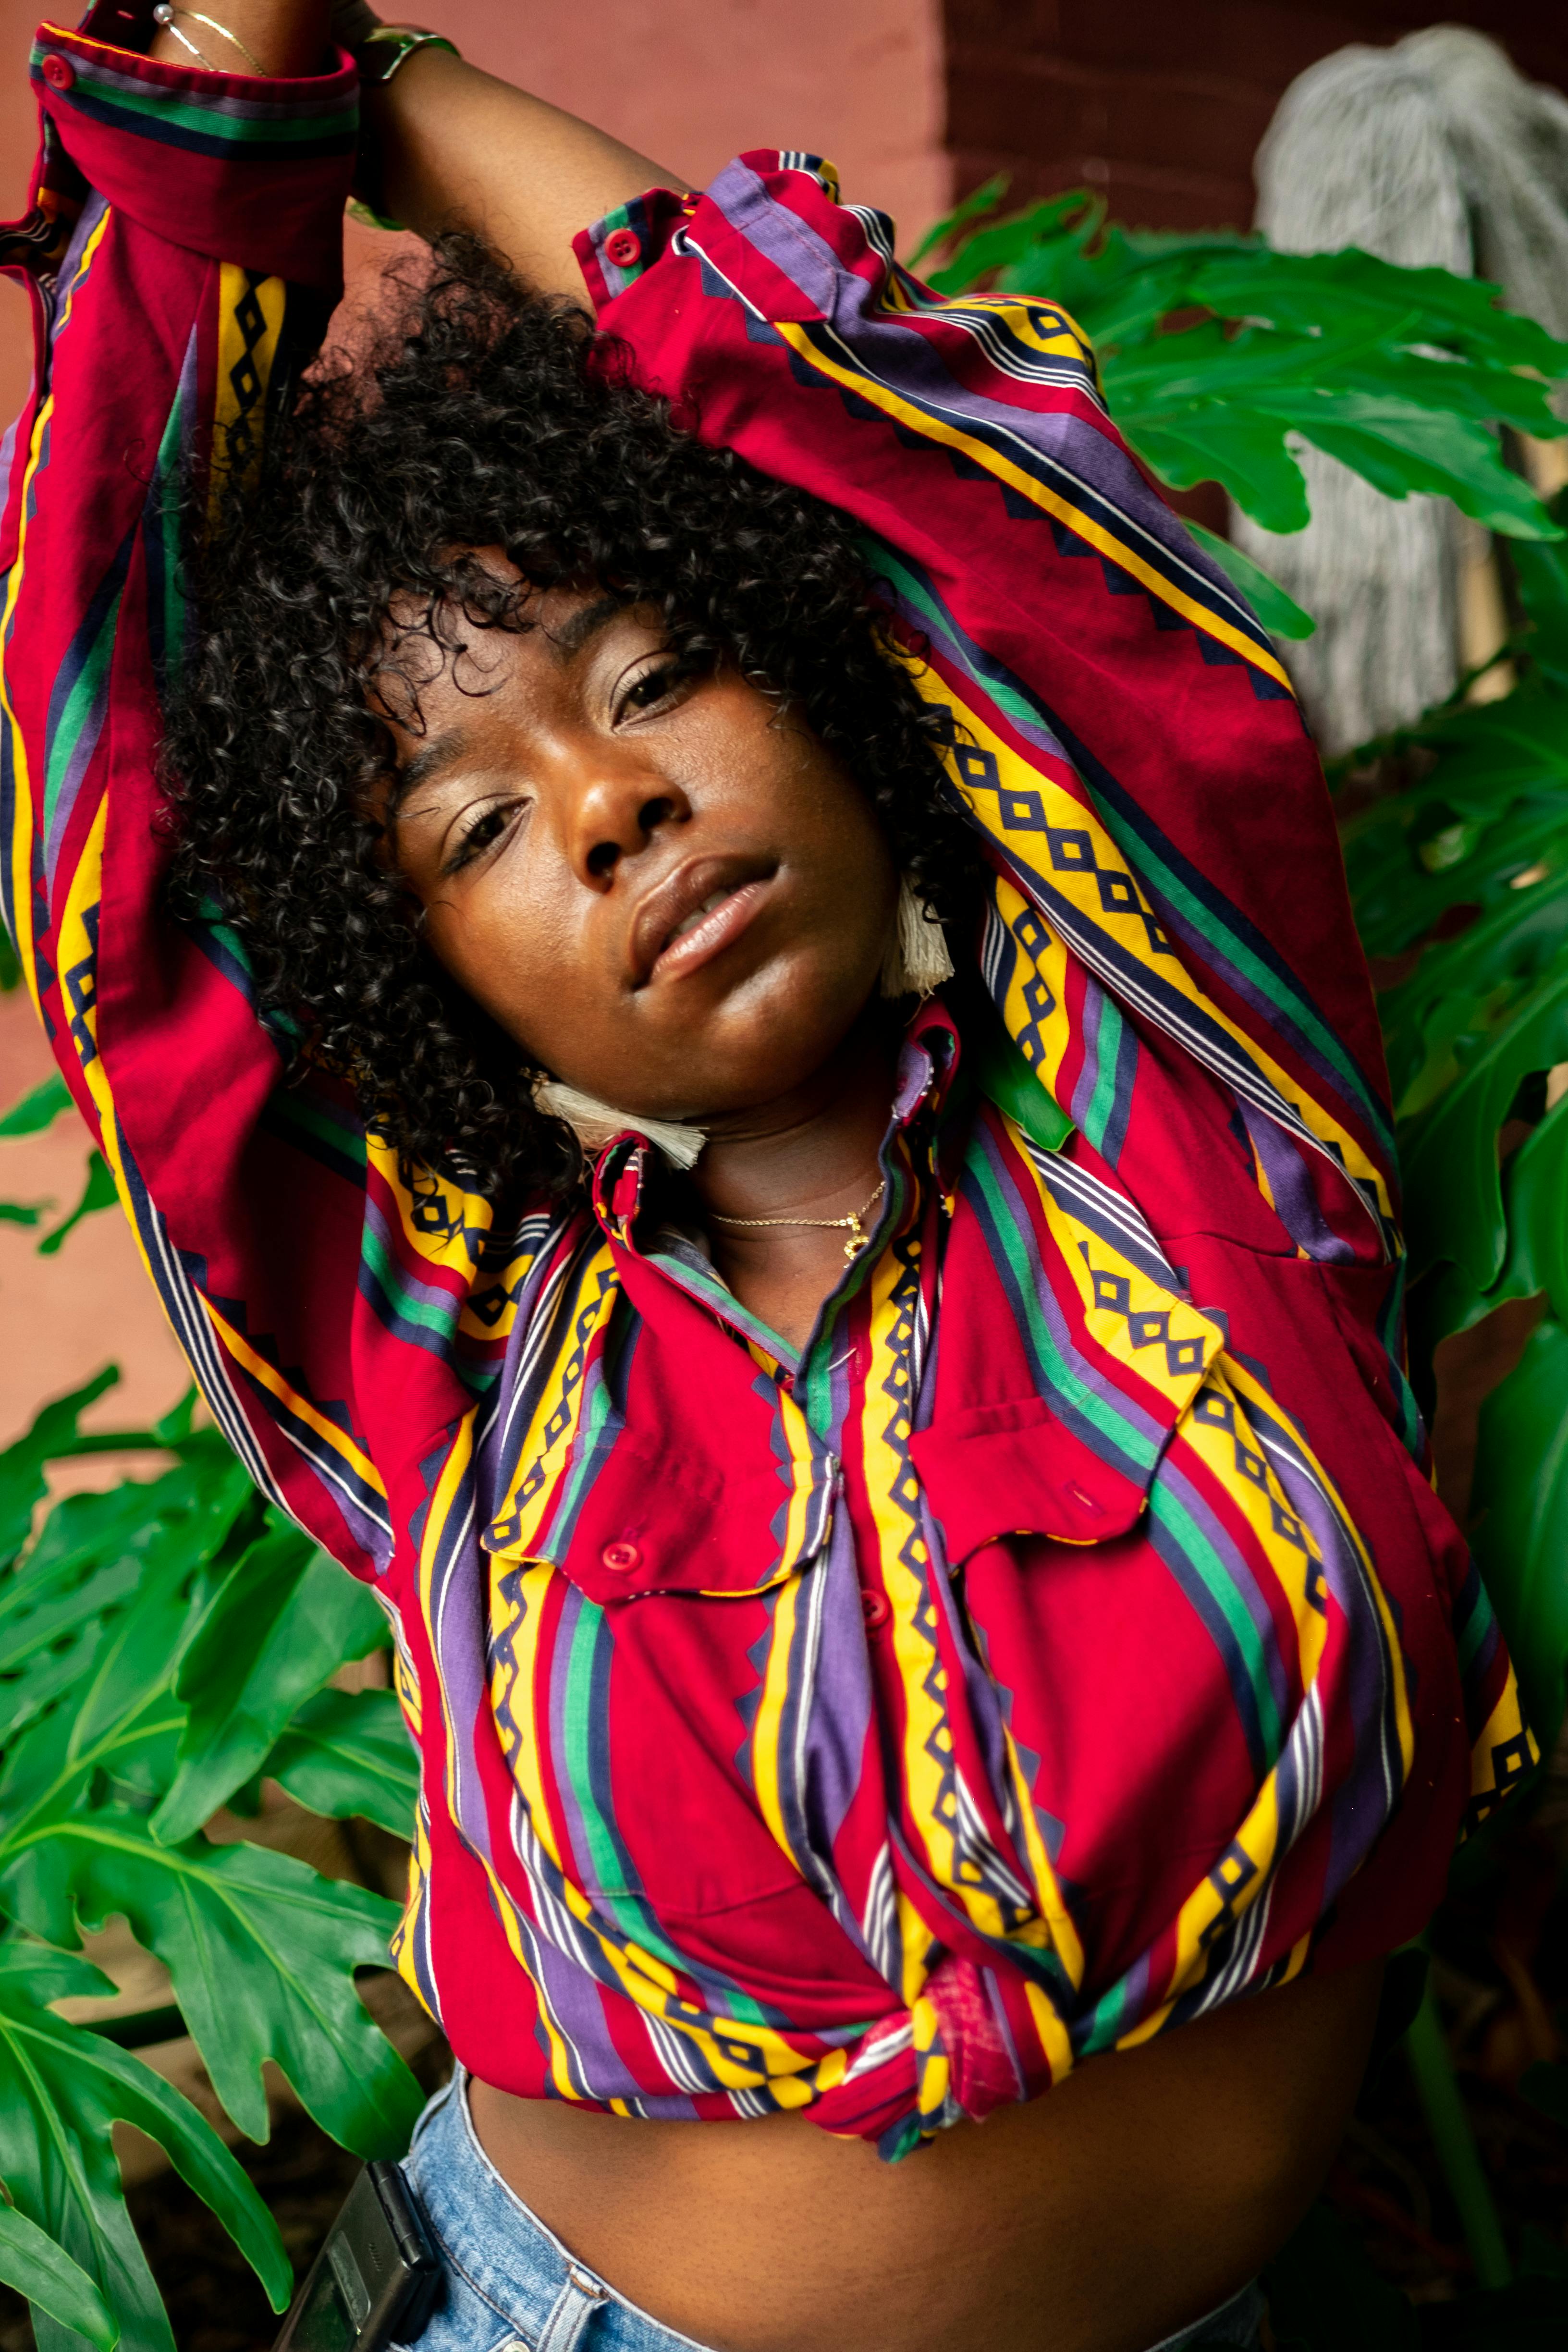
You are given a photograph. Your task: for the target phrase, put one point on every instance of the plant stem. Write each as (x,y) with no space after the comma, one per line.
(1449,2126)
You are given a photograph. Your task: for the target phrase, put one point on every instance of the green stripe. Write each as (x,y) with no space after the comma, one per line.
(628,1912)
(171,451)
(341,1134)
(1478,1625)
(1137,851)
(1298,1009)
(385,1267)
(79,709)
(1107,1052)
(166,105)
(1053,1366)
(1173,1514)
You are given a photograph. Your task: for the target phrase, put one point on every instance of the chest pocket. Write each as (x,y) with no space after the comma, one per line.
(1014,1468)
(625,1518)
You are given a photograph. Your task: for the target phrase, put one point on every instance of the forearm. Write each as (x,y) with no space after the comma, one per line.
(459,149)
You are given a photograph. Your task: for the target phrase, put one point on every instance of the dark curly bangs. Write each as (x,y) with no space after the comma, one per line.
(488,416)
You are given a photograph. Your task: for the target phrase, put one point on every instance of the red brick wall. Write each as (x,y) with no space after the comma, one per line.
(1159,106)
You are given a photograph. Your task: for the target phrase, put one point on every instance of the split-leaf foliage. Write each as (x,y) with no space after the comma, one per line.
(163,1646)
(1218,354)
(167,1645)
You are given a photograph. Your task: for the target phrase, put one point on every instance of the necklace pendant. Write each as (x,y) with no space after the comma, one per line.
(857,1240)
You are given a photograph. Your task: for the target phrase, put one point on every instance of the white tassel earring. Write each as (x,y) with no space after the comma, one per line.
(917,960)
(595,1124)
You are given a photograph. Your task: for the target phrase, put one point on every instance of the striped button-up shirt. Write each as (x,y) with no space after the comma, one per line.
(1068,1640)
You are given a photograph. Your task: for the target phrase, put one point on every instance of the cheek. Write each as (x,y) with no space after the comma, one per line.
(513,950)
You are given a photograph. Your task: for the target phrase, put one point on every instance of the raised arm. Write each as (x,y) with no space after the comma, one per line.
(458,148)
(182,251)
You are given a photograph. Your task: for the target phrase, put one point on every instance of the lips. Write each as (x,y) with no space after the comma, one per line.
(694,913)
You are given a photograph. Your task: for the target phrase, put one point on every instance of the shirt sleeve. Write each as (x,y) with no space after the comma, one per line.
(1121,729)
(183,249)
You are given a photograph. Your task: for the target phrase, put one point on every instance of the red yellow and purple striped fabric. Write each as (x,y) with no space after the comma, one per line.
(1069,1641)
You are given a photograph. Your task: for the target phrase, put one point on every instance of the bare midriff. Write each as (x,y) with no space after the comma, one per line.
(1143,2191)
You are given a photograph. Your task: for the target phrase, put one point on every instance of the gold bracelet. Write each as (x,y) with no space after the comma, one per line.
(165,14)
(398,42)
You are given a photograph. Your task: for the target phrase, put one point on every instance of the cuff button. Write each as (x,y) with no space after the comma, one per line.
(58,71)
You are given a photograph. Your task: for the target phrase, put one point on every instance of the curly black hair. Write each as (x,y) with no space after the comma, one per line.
(488,416)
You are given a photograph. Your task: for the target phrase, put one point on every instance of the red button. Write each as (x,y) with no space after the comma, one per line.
(623,245)
(874,1609)
(58,71)
(622,1557)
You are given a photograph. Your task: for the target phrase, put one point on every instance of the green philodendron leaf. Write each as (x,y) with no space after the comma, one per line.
(262,1950)
(143,1645)
(97,1193)
(1279,613)
(285,1618)
(1402,374)
(1470,989)
(39,1109)
(981,201)
(1426,306)
(22,1481)
(61,2089)
(349,1752)
(1453,1182)
(1520,1536)
(1536,1189)
(1398,448)
(1246,456)
(1399,897)
(32,2264)
(1540,577)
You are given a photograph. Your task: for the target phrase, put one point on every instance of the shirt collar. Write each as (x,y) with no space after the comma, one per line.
(927,1066)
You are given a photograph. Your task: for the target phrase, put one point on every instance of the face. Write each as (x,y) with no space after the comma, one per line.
(665,889)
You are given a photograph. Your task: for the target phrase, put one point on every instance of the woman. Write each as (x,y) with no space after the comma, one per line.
(750,1090)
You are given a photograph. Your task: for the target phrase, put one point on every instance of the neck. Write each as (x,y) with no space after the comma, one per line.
(813,1152)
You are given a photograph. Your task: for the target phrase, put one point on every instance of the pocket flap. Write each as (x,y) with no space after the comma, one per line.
(627,1519)
(1014,1468)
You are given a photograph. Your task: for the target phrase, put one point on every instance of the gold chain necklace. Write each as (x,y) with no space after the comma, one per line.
(858,1236)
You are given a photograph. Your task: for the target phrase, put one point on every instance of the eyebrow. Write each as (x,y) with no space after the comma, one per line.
(444,750)
(439,754)
(586,621)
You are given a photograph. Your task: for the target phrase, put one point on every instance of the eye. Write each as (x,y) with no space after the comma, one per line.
(481,832)
(660,682)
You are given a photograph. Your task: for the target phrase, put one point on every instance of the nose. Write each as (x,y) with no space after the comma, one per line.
(617,812)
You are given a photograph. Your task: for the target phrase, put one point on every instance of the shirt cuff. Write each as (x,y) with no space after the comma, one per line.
(234,166)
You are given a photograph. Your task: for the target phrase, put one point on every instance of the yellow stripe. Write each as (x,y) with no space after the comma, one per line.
(233,403)
(1062,810)
(1054,1917)
(1250,1392)
(272,1379)
(1053,2033)
(1084,527)
(538,1463)
(770,1712)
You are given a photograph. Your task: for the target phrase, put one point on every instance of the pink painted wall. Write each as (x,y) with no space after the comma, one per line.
(689,82)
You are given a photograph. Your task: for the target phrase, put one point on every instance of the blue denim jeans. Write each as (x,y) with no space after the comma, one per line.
(510,2287)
